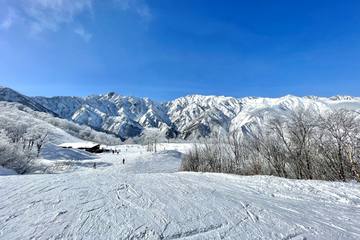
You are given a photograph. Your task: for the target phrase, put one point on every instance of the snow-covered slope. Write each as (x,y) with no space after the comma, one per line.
(9,95)
(186,117)
(15,115)
(147,199)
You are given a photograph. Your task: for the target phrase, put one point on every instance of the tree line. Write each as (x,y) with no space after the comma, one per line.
(301,145)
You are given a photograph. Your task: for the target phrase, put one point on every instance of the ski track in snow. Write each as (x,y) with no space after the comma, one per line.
(147,199)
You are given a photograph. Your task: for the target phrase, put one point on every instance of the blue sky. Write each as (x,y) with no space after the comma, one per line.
(164,49)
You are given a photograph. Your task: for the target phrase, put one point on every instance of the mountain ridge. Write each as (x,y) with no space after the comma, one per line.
(187,117)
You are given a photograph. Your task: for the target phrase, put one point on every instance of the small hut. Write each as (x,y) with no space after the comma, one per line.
(86,146)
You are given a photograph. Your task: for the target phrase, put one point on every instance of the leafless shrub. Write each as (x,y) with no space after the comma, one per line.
(19,145)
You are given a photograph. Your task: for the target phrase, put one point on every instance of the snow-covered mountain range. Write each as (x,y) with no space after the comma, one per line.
(186,117)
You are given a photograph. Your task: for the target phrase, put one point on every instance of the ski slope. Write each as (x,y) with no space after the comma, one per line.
(148,199)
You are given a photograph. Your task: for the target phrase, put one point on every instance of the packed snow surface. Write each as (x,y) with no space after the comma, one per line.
(146,198)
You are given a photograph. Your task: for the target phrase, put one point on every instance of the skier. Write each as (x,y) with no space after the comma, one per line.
(94,165)
(123,160)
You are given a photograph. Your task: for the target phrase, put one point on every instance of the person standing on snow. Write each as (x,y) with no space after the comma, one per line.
(123,160)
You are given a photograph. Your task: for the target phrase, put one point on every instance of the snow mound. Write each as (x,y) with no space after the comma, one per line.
(53,152)
(6,172)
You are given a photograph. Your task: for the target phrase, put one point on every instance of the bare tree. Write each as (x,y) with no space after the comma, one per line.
(151,139)
(339,143)
(303,145)
(296,133)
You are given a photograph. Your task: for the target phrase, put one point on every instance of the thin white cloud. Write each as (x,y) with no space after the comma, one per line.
(9,20)
(51,15)
(83,34)
(43,15)
(139,7)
